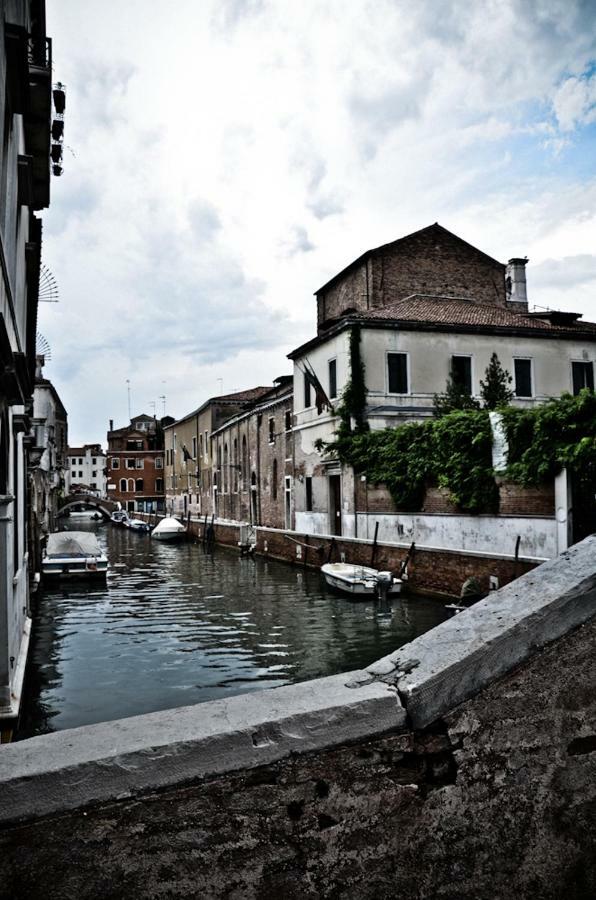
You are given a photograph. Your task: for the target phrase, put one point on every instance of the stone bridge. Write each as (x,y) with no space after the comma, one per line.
(101,504)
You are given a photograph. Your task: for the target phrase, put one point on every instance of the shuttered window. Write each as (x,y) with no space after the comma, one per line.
(461,372)
(583,376)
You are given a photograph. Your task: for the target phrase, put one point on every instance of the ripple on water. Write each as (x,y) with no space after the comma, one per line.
(174,626)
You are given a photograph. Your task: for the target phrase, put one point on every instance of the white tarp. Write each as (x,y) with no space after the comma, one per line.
(73,543)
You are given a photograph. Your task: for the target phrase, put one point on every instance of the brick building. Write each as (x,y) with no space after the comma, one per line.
(135,464)
(191,481)
(254,461)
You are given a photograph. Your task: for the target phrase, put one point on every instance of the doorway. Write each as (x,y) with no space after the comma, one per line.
(335,504)
(583,503)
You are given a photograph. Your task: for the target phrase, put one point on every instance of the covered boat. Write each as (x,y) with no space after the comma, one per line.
(70,553)
(169,529)
(360,581)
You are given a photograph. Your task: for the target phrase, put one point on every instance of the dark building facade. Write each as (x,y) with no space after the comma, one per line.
(135,464)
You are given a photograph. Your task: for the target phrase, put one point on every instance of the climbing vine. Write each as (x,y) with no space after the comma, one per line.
(546,438)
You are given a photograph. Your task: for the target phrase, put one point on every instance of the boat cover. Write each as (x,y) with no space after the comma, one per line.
(169,525)
(73,543)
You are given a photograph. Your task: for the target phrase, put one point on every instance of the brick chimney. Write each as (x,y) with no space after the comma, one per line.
(515,284)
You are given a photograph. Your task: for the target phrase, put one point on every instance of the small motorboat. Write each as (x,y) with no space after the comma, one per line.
(73,553)
(360,581)
(138,525)
(169,529)
(119,517)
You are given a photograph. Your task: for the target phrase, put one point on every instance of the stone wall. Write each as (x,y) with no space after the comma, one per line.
(461,767)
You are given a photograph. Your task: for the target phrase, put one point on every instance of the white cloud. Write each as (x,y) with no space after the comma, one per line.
(232,156)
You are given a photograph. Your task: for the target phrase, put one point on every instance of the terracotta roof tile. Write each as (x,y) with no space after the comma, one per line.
(447,311)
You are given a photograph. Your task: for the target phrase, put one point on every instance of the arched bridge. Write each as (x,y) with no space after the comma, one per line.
(71,501)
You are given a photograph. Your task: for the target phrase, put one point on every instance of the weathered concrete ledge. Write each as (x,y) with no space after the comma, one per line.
(451,663)
(68,769)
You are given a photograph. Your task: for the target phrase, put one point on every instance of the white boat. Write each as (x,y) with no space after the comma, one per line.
(360,581)
(119,517)
(169,529)
(138,525)
(73,553)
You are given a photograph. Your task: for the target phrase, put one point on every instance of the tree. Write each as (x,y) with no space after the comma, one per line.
(495,390)
(455,397)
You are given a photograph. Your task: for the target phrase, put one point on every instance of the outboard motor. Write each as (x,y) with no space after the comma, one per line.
(384,582)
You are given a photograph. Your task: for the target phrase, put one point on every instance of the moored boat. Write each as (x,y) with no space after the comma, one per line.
(73,553)
(119,517)
(360,581)
(169,529)
(138,525)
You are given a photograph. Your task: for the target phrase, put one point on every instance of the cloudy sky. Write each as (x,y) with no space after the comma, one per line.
(226,157)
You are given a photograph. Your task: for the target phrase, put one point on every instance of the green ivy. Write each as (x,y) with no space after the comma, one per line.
(546,438)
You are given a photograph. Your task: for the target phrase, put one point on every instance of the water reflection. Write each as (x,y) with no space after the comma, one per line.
(175,625)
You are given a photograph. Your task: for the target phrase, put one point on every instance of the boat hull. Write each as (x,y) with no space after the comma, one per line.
(356,581)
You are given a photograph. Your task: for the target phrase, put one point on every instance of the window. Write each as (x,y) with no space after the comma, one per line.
(235,465)
(583,376)
(131,485)
(271,430)
(332,379)
(80,474)
(174,444)
(159,462)
(123,485)
(134,445)
(244,462)
(206,446)
(308,487)
(159,485)
(274,481)
(80,462)
(194,448)
(139,463)
(306,392)
(93,485)
(139,484)
(288,419)
(461,372)
(397,373)
(523,377)
(94,461)
(115,464)
(226,470)
(201,451)
(130,464)
(94,474)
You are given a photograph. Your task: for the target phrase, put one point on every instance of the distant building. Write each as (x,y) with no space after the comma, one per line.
(46,462)
(427,306)
(86,469)
(190,469)
(25,123)
(135,464)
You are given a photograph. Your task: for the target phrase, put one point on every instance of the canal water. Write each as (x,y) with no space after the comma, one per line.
(175,625)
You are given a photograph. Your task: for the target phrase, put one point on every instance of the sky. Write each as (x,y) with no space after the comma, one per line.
(225,158)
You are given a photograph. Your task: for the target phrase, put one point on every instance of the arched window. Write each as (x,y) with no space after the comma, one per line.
(274,480)
(123,486)
(226,470)
(235,466)
(139,484)
(244,463)
(131,485)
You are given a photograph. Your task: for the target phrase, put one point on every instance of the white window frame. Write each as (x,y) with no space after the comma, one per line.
(336,392)
(159,462)
(408,373)
(115,463)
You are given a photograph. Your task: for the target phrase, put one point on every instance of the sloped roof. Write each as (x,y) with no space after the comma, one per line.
(439,229)
(446,311)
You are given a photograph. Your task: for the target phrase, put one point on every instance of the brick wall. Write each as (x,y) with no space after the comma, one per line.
(432,261)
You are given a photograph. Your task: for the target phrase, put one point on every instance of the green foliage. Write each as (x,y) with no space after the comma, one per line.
(495,391)
(455,397)
(352,408)
(453,452)
(546,438)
